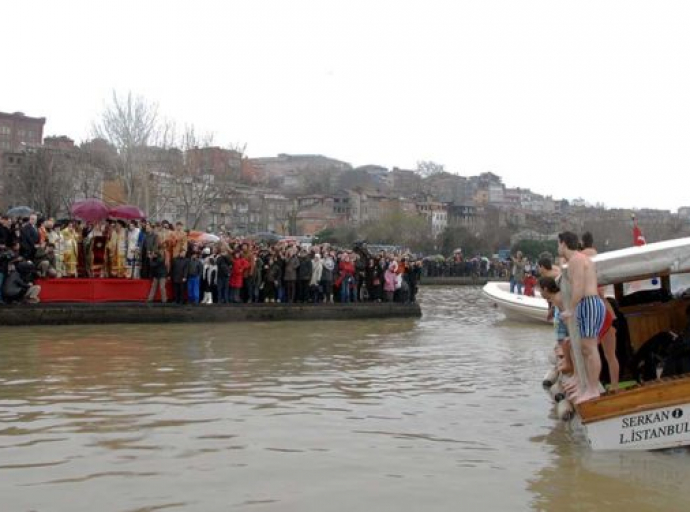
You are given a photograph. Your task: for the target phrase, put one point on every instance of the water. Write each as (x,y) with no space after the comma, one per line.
(442,413)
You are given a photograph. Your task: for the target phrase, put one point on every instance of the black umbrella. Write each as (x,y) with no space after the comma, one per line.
(20,211)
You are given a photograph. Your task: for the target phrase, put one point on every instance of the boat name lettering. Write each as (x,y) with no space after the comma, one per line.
(651,418)
(647,434)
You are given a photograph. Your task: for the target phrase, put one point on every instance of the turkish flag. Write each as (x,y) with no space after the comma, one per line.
(638,237)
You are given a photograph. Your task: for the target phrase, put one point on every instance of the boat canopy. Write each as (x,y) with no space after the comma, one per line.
(636,263)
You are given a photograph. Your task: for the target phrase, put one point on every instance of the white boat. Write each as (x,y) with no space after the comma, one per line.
(655,414)
(517,307)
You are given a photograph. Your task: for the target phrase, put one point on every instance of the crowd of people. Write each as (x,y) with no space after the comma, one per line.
(460,266)
(221,270)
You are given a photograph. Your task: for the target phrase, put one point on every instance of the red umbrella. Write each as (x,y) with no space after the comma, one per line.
(127,212)
(90,210)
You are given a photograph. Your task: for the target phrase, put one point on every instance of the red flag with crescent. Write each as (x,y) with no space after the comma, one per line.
(638,237)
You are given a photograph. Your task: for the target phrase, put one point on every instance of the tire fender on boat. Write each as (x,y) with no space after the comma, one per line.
(550,378)
(565,410)
(557,393)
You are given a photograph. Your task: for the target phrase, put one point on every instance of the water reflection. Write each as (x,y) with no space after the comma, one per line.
(395,415)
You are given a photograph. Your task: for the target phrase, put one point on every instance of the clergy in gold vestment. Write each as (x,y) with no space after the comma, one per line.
(117,251)
(70,250)
(180,245)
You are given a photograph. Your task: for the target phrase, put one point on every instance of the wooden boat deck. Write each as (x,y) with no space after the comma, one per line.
(649,396)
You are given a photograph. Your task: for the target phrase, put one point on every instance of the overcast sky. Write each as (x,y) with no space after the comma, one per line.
(572,99)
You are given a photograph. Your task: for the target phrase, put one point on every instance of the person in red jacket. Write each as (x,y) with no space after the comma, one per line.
(239,266)
(347,273)
(530,282)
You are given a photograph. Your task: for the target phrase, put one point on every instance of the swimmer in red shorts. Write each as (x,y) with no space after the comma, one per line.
(607,338)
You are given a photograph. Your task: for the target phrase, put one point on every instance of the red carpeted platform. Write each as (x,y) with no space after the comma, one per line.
(97,290)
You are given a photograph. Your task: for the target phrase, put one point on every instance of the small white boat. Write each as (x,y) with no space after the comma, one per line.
(517,307)
(654,414)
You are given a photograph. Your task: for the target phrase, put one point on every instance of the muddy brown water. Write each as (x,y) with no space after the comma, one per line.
(436,414)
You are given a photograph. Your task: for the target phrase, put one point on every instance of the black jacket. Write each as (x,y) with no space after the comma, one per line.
(29,239)
(195,268)
(224,267)
(180,268)
(6,236)
(304,270)
(157,268)
(15,287)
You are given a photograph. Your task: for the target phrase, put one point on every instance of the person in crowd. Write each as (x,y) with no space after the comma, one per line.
(529,283)
(303,276)
(158,274)
(19,284)
(166,239)
(134,246)
(45,261)
(327,269)
(70,250)
(224,265)
(315,282)
(239,267)
(290,277)
(413,276)
(374,280)
(179,273)
(517,273)
(9,254)
(272,279)
(55,238)
(255,278)
(117,251)
(29,238)
(6,234)
(360,276)
(346,278)
(390,278)
(195,271)
(96,248)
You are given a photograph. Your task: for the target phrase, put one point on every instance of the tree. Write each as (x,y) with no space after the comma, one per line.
(42,181)
(533,249)
(454,237)
(426,168)
(399,228)
(130,124)
(341,236)
(196,188)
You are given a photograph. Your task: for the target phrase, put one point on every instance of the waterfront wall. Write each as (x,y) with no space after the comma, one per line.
(84,314)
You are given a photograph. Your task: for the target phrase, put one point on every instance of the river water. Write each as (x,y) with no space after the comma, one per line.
(436,414)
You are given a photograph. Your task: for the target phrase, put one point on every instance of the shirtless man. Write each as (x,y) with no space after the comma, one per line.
(587,308)
(607,335)
(588,245)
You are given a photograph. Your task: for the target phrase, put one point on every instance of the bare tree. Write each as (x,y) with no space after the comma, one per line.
(197,187)
(41,181)
(130,124)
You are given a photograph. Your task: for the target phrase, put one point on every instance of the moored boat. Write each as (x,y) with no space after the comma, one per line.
(517,307)
(654,414)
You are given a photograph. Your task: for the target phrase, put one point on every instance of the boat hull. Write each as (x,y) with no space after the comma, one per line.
(660,428)
(649,417)
(517,307)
